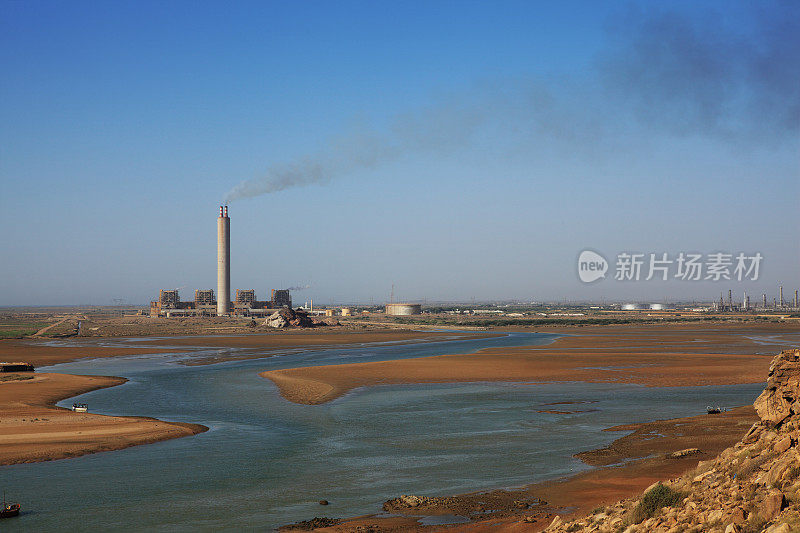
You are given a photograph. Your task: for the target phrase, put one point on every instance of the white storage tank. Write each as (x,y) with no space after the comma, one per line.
(401,309)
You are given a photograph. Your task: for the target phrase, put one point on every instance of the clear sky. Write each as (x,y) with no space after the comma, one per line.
(456,149)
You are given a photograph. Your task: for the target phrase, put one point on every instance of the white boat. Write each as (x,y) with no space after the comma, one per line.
(80,407)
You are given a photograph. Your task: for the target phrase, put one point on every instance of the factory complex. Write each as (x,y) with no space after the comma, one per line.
(205,303)
(208,303)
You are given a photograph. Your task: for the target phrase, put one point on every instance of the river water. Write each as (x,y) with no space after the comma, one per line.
(267,462)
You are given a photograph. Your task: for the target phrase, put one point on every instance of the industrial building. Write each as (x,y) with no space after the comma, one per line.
(727,304)
(204,297)
(403,309)
(205,303)
(169,298)
(246,296)
(282,298)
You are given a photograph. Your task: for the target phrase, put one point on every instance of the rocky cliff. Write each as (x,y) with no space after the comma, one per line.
(752,486)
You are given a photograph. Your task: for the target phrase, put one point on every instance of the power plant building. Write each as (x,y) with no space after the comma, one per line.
(281,298)
(205,303)
(169,299)
(245,296)
(204,297)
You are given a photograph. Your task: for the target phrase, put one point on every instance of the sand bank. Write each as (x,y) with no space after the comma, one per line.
(32,429)
(301,338)
(43,353)
(653,356)
(39,354)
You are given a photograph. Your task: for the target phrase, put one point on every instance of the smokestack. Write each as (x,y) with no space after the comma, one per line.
(780,296)
(223,262)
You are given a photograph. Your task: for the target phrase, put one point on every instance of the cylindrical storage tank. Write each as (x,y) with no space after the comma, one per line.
(223,262)
(630,307)
(657,307)
(403,309)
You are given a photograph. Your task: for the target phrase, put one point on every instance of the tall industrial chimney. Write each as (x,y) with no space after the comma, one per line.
(223,262)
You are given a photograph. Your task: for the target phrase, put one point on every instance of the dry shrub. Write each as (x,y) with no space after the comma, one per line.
(653,500)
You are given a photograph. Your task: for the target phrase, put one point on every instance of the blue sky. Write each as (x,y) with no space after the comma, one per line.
(456,149)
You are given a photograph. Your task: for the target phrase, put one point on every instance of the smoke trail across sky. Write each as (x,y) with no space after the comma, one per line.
(663,73)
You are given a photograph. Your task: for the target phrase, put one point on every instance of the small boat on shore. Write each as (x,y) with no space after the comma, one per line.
(80,407)
(715,410)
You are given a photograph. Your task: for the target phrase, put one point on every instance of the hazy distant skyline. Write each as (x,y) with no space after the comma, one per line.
(457,150)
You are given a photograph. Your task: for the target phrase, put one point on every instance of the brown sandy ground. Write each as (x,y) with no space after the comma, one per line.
(654,356)
(639,459)
(749,487)
(300,338)
(33,429)
(85,325)
(40,353)
(669,355)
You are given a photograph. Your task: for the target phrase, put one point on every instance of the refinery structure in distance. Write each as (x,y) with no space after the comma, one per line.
(206,303)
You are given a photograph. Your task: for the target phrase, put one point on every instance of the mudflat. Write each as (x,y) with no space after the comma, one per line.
(322,337)
(632,463)
(658,356)
(33,429)
(41,352)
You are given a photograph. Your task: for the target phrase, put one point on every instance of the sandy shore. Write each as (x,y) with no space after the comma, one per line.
(32,429)
(43,353)
(653,356)
(327,337)
(640,458)
(39,354)
(670,355)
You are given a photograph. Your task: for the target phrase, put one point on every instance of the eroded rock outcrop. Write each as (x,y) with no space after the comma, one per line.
(751,486)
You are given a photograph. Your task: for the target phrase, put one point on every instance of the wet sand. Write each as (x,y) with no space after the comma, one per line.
(302,338)
(39,353)
(669,355)
(33,429)
(657,356)
(639,460)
